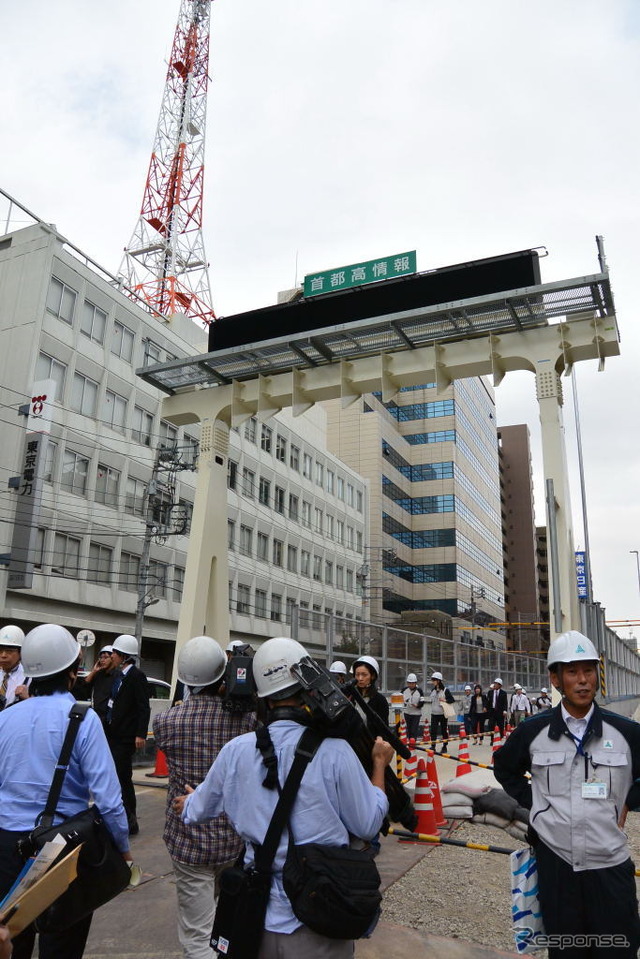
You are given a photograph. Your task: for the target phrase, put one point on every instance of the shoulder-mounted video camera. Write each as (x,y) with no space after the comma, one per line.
(239,685)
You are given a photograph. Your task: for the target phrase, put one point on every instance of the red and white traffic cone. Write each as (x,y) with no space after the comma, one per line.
(423,803)
(402,732)
(497,743)
(411,765)
(426,732)
(463,754)
(432,771)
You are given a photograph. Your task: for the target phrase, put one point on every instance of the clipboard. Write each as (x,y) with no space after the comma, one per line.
(17,915)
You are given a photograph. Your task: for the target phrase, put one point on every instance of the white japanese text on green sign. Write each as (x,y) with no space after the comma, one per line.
(385,268)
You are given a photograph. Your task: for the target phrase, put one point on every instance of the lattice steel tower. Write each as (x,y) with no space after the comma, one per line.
(165,263)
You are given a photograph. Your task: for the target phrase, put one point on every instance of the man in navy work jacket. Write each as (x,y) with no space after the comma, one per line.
(335,800)
(585,775)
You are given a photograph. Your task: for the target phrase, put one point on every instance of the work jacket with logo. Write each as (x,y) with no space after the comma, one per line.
(582,831)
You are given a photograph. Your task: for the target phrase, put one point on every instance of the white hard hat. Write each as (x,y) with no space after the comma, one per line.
(467,686)
(517,686)
(126,645)
(201,662)
(522,689)
(106,649)
(11,636)
(47,650)
(338,667)
(544,690)
(233,645)
(498,680)
(412,678)
(571,647)
(272,667)
(436,676)
(367,661)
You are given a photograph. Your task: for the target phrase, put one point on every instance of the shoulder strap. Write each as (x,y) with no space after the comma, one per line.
(76,714)
(305,751)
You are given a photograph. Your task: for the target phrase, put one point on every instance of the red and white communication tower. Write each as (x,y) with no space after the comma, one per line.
(165,263)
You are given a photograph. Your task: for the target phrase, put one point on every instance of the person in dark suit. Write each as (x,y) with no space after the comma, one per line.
(498,706)
(127,720)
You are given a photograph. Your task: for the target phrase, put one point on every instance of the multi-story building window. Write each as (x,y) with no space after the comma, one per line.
(61,300)
(349,580)
(328,572)
(190,448)
(153,353)
(264,491)
(340,577)
(84,395)
(129,571)
(276,607)
(330,526)
(263,547)
(350,492)
(319,474)
(340,487)
(158,578)
(66,555)
(178,583)
(349,537)
(74,472)
(93,322)
(243,602)
(49,461)
(277,552)
(294,457)
(317,568)
(340,532)
(168,435)
(135,496)
(114,411)
(305,562)
(248,482)
(292,559)
(307,465)
(261,603)
(250,428)
(107,485)
(306,514)
(100,560)
(142,426)
(331,481)
(358,541)
(266,436)
(279,499)
(47,368)
(318,514)
(231,534)
(246,540)
(281,448)
(232,474)
(122,341)
(293,507)
(359,500)
(291,605)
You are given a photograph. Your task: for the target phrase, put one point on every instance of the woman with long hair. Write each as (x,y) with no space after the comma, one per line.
(439,694)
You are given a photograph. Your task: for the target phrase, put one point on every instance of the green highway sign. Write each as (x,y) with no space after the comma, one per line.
(344,277)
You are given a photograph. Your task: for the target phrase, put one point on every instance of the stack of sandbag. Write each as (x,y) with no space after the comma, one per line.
(474,797)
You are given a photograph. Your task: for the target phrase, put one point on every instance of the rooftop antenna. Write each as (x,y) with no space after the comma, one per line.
(164,264)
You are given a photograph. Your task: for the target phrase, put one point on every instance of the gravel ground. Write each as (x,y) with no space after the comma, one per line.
(464,893)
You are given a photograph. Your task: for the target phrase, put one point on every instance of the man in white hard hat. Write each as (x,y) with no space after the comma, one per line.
(499,705)
(191,735)
(413,697)
(338,672)
(335,800)
(584,763)
(520,705)
(31,737)
(127,718)
(12,679)
(544,700)
(96,685)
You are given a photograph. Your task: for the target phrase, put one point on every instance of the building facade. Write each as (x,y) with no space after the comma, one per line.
(431,458)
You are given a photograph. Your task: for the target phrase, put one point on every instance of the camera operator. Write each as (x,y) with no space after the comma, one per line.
(335,800)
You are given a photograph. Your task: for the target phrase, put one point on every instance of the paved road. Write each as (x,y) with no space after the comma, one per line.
(141,923)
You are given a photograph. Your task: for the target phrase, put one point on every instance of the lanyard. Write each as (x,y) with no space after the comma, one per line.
(581,752)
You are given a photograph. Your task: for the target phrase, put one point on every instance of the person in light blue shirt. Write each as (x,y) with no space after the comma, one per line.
(31,737)
(335,802)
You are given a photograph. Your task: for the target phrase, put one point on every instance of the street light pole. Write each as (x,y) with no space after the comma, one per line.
(637,565)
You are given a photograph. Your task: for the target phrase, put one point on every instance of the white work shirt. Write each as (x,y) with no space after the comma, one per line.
(335,800)
(15,678)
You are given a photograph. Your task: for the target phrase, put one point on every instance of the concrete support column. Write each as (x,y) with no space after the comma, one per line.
(549,394)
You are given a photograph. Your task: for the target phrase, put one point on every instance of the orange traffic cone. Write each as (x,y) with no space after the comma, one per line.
(508,731)
(402,732)
(497,742)
(423,803)
(463,754)
(426,732)
(432,771)
(161,770)
(411,765)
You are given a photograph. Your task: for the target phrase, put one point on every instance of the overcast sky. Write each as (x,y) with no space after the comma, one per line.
(344,130)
